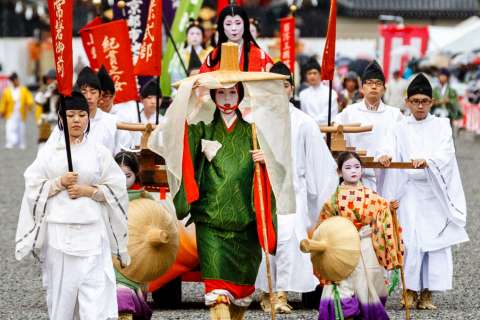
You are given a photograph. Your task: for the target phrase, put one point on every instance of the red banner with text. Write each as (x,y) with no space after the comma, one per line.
(112,46)
(88,44)
(61,15)
(287,42)
(150,54)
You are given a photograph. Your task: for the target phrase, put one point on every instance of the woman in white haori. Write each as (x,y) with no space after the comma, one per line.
(70,221)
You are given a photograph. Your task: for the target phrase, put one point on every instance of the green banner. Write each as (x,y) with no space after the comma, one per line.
(187,9)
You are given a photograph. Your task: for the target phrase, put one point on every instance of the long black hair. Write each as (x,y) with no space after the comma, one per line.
(129,159)
(195,24)
(232,10)
(343,157)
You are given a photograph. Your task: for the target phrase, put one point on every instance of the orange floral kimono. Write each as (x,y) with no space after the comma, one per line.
(363,294)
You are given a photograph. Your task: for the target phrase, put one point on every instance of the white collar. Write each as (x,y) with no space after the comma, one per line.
(98,115)
(61,141)
(381,107)
(411,119)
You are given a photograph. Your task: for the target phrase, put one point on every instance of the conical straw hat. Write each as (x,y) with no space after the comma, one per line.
(152,241)
(334,248)
(229,72)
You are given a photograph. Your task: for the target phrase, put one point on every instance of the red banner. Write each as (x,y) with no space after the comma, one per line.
(88,44)
(113,49)
(150,54)
(61,15)
(287,41)
(328,59)
(399,44)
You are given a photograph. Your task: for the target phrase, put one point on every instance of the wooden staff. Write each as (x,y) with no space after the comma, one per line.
(264,224)
(402,273)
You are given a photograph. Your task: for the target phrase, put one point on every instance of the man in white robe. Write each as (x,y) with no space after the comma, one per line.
(149,101)
(432,209)
(103,126)
(314,180)
(371,111)
(314,99)
(123,139)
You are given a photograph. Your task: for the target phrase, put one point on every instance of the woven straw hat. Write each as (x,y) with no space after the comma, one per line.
(229,72)
(334,249)
(152,241)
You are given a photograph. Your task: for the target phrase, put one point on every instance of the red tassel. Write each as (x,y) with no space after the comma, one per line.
(267,202)
(328,59)
(188,171)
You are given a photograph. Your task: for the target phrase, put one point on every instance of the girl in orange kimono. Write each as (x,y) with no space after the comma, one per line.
(234,26)
(364,293)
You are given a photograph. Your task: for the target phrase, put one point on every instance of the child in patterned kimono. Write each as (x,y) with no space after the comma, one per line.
(130,294)
(363,294)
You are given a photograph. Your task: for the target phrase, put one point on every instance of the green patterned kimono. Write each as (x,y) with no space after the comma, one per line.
(224,215)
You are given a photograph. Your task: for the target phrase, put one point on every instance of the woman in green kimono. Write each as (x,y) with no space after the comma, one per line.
(224,209)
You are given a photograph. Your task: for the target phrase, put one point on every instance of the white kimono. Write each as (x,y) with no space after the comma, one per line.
(103,130)
(314,180)
(432,208)
(127,112)
(377,142)
(75,238)
(314,102)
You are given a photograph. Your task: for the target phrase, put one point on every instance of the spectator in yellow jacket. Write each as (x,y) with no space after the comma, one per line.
(15,104)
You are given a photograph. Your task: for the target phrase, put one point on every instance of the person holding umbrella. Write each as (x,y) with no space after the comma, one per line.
(73,221)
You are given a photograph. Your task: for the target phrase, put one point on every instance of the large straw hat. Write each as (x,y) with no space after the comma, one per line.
(334,249)
(152,241)
(229,72)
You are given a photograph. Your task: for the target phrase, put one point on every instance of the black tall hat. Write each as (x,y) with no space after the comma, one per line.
(106,81)
(373,71)
(281,68)
(194,63)
(75,102)
(419,85)
(312,63)
(87,77)
(150,89)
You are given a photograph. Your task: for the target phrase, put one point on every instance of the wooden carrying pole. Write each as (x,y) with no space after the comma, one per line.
(402,273)
(264,224)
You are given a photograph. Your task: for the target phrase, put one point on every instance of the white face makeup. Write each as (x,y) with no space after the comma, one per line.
(234,27)
(226,99)
(194,37)
(351,171)
(129,175)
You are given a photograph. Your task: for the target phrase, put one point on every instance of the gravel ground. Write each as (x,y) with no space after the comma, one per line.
(21,296)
